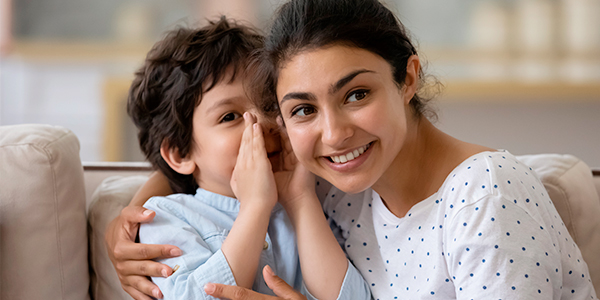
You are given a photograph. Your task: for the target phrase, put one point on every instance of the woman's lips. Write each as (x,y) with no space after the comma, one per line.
(349,161)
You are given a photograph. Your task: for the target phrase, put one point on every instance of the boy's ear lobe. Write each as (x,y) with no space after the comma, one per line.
(181,165)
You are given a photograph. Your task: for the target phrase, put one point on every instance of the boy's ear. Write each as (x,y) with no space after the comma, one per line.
(181,165)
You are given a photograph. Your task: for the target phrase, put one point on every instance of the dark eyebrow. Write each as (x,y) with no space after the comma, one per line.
(299,96)
(222,102)
(332,90)
(344,80)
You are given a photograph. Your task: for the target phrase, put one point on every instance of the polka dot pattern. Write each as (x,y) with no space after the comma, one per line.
(490,232)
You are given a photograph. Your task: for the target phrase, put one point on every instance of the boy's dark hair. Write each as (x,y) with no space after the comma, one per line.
(177,71)
(301,25)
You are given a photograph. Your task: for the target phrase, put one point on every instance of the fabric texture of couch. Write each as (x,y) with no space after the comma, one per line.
(45,229)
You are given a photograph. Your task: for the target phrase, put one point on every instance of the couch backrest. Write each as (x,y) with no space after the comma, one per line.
(576,196)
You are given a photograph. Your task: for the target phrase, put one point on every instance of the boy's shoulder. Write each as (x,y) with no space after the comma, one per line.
(173,202)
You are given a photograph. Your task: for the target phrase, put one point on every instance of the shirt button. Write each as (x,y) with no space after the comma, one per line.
(265,245)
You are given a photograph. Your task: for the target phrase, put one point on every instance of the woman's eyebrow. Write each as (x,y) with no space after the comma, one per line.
(299,96)
(344,80)
(332,90)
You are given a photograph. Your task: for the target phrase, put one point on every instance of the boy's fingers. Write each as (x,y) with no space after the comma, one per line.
(135,251)
(234,292)
(259,141)
(247,137)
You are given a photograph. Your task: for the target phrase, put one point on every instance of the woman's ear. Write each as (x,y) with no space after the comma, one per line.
(182,165)
(411,82)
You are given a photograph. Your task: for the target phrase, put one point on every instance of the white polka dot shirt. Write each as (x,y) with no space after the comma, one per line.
(490,232)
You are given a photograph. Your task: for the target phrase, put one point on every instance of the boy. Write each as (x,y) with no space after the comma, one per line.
(193,116)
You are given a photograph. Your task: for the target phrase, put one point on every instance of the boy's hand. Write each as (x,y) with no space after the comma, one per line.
(294,183)
(252,180)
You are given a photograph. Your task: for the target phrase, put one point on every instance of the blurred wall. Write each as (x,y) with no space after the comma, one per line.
(70,63)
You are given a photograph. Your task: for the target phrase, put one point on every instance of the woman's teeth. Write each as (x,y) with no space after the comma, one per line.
(350,155)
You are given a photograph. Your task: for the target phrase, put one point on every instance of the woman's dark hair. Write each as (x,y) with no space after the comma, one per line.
(178,70)
(301,25)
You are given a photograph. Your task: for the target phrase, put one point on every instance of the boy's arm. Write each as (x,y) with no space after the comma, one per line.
(133,261)
(253,183)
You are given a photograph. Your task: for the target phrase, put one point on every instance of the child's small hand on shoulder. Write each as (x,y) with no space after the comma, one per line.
(252,180)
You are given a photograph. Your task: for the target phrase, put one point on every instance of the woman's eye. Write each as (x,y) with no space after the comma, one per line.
(230,117)
(357,95)
(303,111)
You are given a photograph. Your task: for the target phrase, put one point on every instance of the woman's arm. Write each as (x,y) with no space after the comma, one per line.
(278,285)
(133,261)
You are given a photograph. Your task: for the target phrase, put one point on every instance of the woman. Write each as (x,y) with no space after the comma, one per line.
(419,213)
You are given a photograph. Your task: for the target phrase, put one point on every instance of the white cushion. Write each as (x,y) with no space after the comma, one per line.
(111,196)
(43,242)
(571,187)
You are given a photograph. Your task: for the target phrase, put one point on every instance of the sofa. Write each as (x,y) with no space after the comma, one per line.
(54,210)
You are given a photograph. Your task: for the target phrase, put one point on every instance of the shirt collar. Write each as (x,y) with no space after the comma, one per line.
(217,201)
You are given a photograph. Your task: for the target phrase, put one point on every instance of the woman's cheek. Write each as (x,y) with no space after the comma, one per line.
(301,145)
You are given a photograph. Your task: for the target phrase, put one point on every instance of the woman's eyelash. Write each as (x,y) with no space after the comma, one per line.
(358,94)
(302,110)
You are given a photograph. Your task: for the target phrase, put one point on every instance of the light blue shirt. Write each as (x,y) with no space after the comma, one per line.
(198,225)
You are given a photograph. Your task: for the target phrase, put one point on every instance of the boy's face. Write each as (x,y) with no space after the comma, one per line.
(218,126)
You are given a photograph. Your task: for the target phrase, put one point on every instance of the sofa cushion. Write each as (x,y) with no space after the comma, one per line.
(111,196)
(571,187)
(43,241)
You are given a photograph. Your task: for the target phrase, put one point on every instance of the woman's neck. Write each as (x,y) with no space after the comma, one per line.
(421,167)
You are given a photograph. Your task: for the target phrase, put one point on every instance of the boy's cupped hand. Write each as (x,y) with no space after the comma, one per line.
(252,180)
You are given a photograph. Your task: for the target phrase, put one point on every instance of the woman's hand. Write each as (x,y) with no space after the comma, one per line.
(131,260)
(279,287)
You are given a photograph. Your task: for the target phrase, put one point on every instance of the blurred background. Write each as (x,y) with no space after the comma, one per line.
(521,75)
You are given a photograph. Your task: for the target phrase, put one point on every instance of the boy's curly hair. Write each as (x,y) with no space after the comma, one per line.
(177,71)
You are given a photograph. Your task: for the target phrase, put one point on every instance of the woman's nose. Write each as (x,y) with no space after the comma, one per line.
(336,129)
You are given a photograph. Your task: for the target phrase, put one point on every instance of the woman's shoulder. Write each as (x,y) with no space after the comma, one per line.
(490,173)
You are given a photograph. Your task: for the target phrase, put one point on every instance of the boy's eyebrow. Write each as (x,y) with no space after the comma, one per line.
(332,90)
(222,102)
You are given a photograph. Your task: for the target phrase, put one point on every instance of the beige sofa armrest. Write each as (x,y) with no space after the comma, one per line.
(43,242)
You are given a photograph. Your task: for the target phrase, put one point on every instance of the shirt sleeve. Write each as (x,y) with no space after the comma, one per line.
(202,260)
(496,250)
(354,287)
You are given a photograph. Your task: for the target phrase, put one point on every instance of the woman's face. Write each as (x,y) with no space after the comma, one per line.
(344,114)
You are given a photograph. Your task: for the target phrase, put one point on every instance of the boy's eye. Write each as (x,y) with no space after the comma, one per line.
(303,111)
(357,95)
(228,117)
